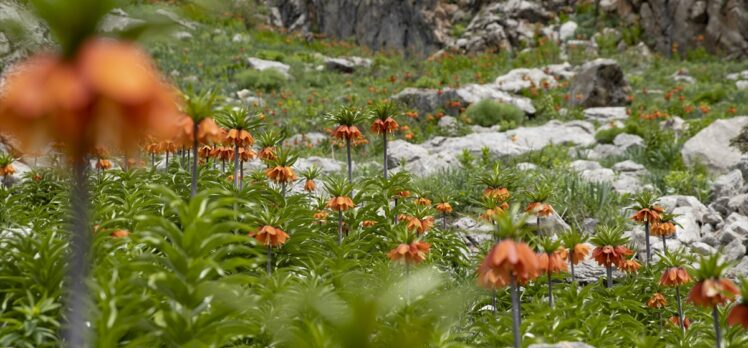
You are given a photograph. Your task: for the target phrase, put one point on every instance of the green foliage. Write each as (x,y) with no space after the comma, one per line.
(688,182)
(489,112)
(266,80)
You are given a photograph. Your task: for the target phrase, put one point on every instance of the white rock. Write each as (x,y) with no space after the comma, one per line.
(689,231)
(734,250)
(262,64)
(729,184)
(703,248)
(711,146)
(400,151)
(599,175)
(628,166)
(524,78)
(473,93)
(606,114)
(626,141)
(567,30)
(582,165)
(326,165)
(737,224)
(525,166)
(742,85)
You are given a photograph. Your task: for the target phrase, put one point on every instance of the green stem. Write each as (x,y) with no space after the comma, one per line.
(646,237)
(609,281)
(340,227)
(384,138)
(270,260)
(717,330)
(75,333)
(350,162)
(515,312)
(194,163)
(681,319)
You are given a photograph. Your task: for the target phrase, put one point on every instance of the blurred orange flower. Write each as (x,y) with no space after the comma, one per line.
(388,125)
(413,253)
(83,100)
(712,292)
(657,301)
(341,203)
(738,315)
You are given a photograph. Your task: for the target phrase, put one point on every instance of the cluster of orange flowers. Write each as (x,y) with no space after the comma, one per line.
(281,174)
(444,207)
(508,260)
(418,225)
(82,101)
(413,253)
(340,203)
(610,255)
(539,208)
(554,262)
(654,115)
(270,236)
(7,170)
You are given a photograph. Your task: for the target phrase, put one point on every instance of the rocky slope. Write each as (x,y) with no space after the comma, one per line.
(424,26)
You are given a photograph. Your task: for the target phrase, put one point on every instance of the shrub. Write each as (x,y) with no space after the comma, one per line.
(272,55)
(489,112)
(267,80)
(606,136)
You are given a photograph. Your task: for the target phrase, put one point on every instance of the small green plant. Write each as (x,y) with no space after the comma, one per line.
(488,113)
(267,80)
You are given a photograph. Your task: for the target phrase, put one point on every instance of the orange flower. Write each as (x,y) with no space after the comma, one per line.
(120,234)
(270,236)
(662,229)
(208,131)
(280,174)
(675,320)
(712,292)
(492,213)
(320,215)
(341,203)
(222,153)
(648,215)
(204,152)
(409,136)
(738,315)
(309,185)
(403,194)
(388,125)
(508,258)
(246,154)
(153,148)
(167,146)
(368,223)
(83,101)
(611,256)
(539,209)
(629,266)
(8,169)
(413,253)
(239,137)
(419,226)
(267,154)
(346,132)
(675,276)
(500,193)
(579,253)
(444,208)
(552,263)
(103,164)
(657,301)
(423,201)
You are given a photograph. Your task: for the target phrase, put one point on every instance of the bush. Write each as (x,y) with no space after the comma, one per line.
(606,136)
(267,80)
(489,112)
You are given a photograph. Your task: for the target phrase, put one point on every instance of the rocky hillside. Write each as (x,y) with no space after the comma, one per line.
(426,26)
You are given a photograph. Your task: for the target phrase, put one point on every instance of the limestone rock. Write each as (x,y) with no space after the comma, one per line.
(711,145)
(262,64)
(600,83)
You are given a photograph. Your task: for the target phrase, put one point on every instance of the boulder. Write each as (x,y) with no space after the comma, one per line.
(118,20)
(346,65)
(600,83)
(718,26)
(567,30)
(448,125)
(711,145)
(599,175)
(524,78)
(742,85)
(473,93)
(326,165)
(737,203)
(742,166)
(400,151)
(177,19)
(262,64)
(735,250)
(27,35)
(427,100)
(606,114)
(675,124)
(737,224)
(629,183)
(526,166)
(583,165)
(628,166)
(729,184)
(738,271)
(689,230)
(626,141)
(698,209)
(306,139)
(418,27)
